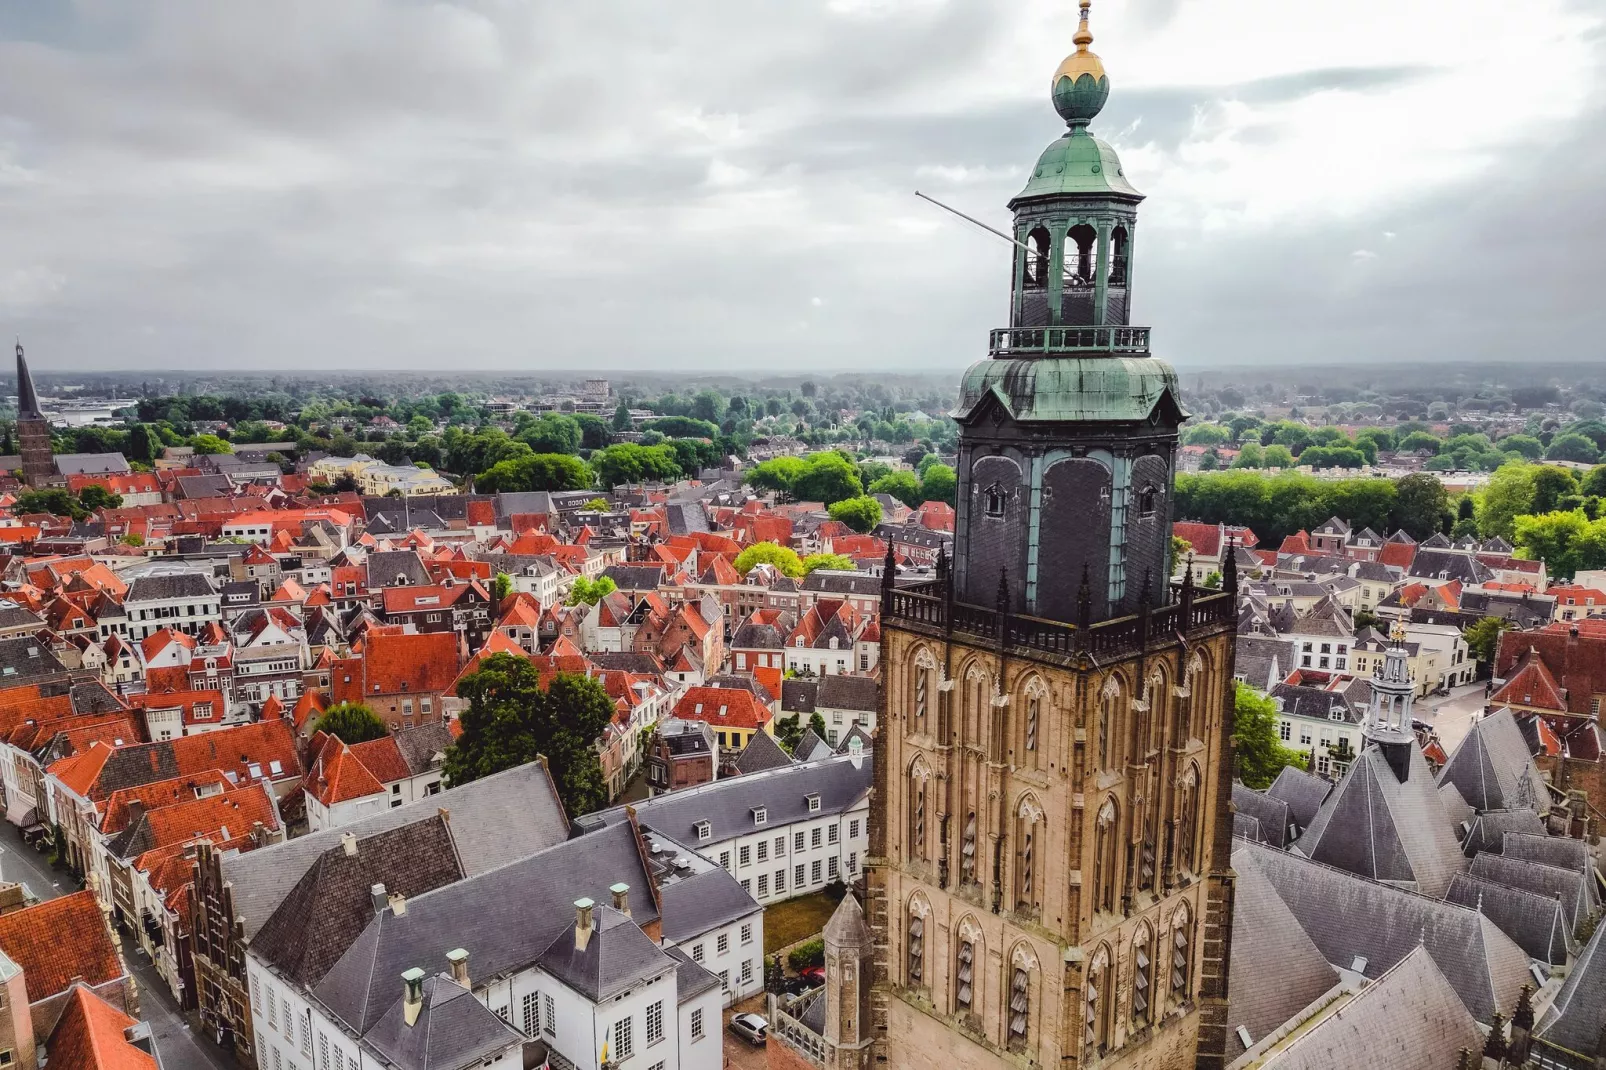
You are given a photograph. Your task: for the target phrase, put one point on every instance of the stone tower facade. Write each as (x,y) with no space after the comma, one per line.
(33,431)
(1049,880)
(848,947)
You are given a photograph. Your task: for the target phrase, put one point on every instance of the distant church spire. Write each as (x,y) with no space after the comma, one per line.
(27,397)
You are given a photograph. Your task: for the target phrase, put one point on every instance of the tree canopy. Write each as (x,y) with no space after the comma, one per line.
(783,558)
(352,722)
(591,591)
(836,562)
(1256,744)
(512,720)
(535,471)
(862,514)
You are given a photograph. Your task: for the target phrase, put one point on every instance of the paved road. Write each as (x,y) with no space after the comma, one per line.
(181,1049)
(1452,715)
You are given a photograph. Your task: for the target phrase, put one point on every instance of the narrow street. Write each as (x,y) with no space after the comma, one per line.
(181,1049)
(1452,716)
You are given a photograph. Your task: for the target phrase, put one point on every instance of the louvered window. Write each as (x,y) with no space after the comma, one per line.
(1140,988)
(1019,988)
(917,950)
(1033,708)
(1027,876)
(1091,1012)
(1146,869)
(1179,963)
(962,993)
(920,694)
(917,822)
(967,852)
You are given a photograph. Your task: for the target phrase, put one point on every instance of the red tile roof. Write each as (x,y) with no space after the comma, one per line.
(59,941)
(383,758)
(89,1036)
(238,811)
(1532,684)
(335,775)
(159,793)
(394,663)
(723,707)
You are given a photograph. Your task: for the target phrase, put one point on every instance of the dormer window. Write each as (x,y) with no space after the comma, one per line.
(705,831)
(761,816)
(813,800)
(996,498)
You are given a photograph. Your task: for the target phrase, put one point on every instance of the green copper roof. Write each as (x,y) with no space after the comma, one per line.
(1060,389)
(1077,163)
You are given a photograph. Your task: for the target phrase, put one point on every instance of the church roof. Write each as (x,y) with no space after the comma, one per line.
(1099,389)
(1493,769)
(27,397)
(1077,163)
(1276,970)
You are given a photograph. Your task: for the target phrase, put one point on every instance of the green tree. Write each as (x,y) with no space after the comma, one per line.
(1594,482)
(144,445)
(788,732)
(591,591)
(1256,743)
(783,558)
(621,417)
(1421,506)
(682,427)
(903,486)
(938,484)
(593,431)
(1483,638)
(1252,455)
(627,462)
(596,505)
(1551,485)
(838,562)
(94,498)
(1417,441)
(1508,495)
(210,444)
(512,720)
(1573,447)
(551,433)
(502,586)
(828,478)
(54,501)
(1278,456)
(779,474)
(1206,435)
(817,725)
(1531,448)
(1566,541)
(535,471)
(861,514)
(352,722)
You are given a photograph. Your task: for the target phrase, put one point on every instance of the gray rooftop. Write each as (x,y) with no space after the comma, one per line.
(616,957)
(762,752)
(1567,886)
(1302,791)
(1271,814)
(495,820)
(167,585)
(1575,1020)
(1488,830)
(1493,768)
(453,1029)
(1349,917)
(1536,922)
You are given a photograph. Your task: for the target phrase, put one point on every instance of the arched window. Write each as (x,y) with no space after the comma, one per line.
(965,969)
(976,688)
(1188,818)
(1081,257)
(915,950)
(1148,497)
(1142,977)
(967,851)
(1022,965)
(1118,256)
(997,499)
(1096,1001)
(1107,699)
(1028,825)
(1181,953)
(1037,259)
(919,778)
(1104,858)
(1034,712)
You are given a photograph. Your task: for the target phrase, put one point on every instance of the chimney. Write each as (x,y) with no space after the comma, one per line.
(348,843)
(621,898)
(377,893)
(136,810)
(459,960)
(582,923)
(412,995)
(398,904)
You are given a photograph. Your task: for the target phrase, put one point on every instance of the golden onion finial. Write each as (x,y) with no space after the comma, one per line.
(1084,36)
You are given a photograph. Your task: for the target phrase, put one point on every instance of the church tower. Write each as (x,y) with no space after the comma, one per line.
(1050,878)
(33,431)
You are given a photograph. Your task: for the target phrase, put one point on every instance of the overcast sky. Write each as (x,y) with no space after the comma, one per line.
(728,184)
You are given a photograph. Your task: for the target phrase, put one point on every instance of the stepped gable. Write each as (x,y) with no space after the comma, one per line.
(1493,769)
(1350,918)
(1409,1019)
(1536,922)
(1376,825)
(1277,971)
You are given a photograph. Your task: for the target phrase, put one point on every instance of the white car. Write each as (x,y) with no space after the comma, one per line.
(751,1028)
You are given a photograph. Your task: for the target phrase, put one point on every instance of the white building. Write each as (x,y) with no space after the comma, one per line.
(185,600)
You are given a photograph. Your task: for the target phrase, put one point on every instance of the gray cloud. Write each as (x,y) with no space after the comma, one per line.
(497,184)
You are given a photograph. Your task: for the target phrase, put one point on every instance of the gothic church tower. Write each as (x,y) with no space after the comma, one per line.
(1049,879)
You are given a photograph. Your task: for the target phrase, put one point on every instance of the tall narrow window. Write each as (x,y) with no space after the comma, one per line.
(1146,866)
(1096,1000)
(1104,860)
(920,696)
(1034,707)
(997,498)
(1180,961)
(1187,831)
(963,975)
(1019,1007)
(1142,969)
(967,852)
(917,950)
(917,818)
(1107,727)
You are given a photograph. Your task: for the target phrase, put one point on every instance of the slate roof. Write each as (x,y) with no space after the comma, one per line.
(800,696)
(841,692)
(1456,809)
(826,581)
(1576,1017)
(1409,1019)
(691,980)
(1276,970)
(1493,769)
(1568,886)
(728,805)
(169,585)
(494,821)
(1376,826)
(762,752)
(811,748)
(504,918)
(636,577)
(616,956)
(1560,851)
(452,1030)
(1348,916)
(385,565)
(1263,661)
(1272,814)
(1431,563)
(698,898)
(1488,829)
(332,904)
(1536,922)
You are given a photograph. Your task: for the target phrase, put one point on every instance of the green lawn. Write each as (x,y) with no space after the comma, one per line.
(796,919)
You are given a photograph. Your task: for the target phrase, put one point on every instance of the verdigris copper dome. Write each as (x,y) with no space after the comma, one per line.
(1080,86)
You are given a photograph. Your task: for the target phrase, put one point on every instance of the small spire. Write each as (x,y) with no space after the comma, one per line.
(1495,1047)
(1083,36)
(1187,578)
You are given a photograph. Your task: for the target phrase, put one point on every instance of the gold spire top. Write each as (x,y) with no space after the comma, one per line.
(1084,36)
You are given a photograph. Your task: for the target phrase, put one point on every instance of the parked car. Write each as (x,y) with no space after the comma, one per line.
(814,975)
(751,1028)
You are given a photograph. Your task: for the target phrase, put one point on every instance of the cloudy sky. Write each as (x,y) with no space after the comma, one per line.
(728,184)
